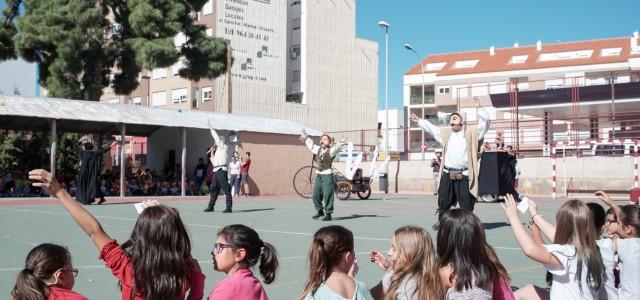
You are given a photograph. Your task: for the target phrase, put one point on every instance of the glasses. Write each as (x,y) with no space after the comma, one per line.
(218,247)
(72,270)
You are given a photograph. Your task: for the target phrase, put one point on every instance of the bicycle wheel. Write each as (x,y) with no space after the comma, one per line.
(365,194)
(343,190)
(303,181)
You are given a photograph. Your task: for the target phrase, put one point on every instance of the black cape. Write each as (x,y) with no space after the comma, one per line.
(89,176)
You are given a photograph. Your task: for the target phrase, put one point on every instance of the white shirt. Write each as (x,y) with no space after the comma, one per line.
(314,149)
(629,255)
(220,159)
(234,168)
(407,290)
(564,285)
(457,156)
(608,254)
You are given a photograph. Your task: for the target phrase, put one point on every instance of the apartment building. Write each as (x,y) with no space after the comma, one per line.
(293,60)
(536,94)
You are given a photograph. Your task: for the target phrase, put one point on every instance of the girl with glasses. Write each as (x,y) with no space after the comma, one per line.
(48,274)
(237,249)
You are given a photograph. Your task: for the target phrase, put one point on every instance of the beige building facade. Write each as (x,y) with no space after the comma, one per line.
(293,60)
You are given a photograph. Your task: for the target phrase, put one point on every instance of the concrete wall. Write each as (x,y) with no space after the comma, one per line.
(584,173)
(274,157)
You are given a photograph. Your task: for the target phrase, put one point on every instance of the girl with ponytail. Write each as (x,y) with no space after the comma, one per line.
(236,250)
(48,274)
(332,265)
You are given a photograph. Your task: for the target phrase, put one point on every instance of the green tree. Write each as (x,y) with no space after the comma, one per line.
(78,44)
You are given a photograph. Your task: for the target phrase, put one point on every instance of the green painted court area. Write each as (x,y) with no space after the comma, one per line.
(285,223)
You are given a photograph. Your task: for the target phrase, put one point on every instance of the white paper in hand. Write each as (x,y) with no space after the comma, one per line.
(524,205)
(139,207)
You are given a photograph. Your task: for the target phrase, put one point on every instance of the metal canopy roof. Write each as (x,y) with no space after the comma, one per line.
(34,113)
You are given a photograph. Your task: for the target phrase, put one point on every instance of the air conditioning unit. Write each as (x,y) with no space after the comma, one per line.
(295,52)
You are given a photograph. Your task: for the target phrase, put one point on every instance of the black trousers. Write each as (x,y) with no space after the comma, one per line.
(451,192)
(220,182)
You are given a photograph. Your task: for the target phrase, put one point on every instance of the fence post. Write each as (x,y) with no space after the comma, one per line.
(553,168)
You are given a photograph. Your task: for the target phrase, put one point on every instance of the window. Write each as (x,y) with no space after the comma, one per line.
(295,2)
(497,87)
(565,55)
(443,90)
(610,51)
(177,66)
(206,94)
(462,64)
(295,51)
(553,83)
(478,89)
(159,98)
(597,80)
(137,101)
(113,101)
(459,90)
(623,79)
(295,24)
(436,66)
(179,95)
(294,98)
(416,98)
(295,76)
(159,73)
(523,86)
(518,59)
(207,9)
(209,31)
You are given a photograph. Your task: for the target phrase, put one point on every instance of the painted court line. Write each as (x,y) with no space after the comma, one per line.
(214,226)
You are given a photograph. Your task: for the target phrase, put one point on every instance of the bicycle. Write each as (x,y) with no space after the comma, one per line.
(305,177)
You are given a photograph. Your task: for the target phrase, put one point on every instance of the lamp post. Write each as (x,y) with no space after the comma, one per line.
(410,48)
(385,26)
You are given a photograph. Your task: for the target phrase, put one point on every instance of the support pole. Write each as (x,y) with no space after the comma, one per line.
(123,128)
(184,162)
(54,144)
(553,165)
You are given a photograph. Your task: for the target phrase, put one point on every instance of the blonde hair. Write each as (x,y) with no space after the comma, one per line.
(417,260)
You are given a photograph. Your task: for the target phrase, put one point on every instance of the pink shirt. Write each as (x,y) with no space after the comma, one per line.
(242,286)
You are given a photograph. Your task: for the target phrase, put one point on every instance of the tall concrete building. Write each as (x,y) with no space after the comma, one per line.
(293,60)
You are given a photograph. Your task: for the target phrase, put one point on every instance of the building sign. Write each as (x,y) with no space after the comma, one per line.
(256,30)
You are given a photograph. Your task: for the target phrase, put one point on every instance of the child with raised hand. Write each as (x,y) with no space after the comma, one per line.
(627,246)
(236,250)
(469,267)
(411,268)
(158,234)
(573,259)
(48,274)
(332,261)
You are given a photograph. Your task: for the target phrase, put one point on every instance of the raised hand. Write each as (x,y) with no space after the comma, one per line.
(414,117)
(379,259)
(604,197)
(510,208)
(45,180)
(354,269)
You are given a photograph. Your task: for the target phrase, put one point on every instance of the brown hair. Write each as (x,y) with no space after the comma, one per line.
(463,245)
(160,252)
(417,260)
(41,263)
(575,227)
(328,246)
(244,237)
(630,216)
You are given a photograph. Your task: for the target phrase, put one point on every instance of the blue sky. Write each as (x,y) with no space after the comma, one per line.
(456,25)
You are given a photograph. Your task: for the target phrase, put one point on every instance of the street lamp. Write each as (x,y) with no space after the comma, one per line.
(385,25)
(408,47)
